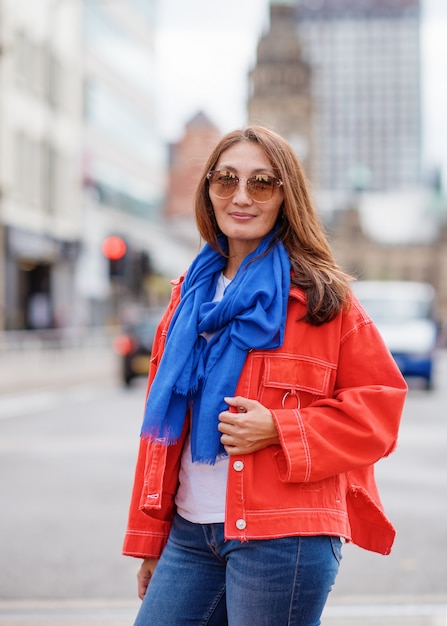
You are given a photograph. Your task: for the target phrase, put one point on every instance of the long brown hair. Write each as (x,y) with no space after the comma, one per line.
(314,268)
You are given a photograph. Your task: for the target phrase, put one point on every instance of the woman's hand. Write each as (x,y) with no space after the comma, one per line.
(144,575)
(251,428)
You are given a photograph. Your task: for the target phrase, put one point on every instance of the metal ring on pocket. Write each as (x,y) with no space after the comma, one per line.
(291,393)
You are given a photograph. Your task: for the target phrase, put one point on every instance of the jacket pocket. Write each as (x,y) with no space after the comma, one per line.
(295,381)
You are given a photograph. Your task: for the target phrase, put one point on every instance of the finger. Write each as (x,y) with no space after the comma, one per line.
(231,450)
(241,404)
(143,584)
(233,401)
(224,427)
(226,418)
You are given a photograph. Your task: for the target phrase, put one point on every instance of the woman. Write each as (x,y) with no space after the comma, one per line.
(271,395)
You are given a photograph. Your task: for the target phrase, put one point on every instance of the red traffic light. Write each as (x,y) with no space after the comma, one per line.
(114,248)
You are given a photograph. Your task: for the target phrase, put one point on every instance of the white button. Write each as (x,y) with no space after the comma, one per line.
(238,466)
(241,524)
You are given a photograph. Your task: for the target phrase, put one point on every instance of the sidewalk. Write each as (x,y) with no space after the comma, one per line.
(32,369)
(350,611)
(385,611)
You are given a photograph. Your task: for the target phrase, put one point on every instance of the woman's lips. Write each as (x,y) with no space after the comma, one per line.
(241,216)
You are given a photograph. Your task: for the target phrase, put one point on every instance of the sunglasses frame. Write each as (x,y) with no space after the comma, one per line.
(277,184)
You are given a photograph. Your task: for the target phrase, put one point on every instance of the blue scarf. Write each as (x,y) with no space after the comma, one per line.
(197,374)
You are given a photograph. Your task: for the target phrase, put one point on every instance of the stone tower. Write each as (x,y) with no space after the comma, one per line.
(280,83)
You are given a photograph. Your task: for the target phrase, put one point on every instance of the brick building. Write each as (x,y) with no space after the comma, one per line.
(186,160)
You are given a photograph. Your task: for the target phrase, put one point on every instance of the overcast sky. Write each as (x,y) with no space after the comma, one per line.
(206,49)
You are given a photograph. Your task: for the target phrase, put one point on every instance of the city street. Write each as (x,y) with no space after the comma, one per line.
(67,453)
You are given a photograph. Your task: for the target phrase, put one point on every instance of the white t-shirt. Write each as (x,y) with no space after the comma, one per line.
(202,490)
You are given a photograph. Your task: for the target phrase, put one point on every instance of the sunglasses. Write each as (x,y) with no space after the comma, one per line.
(260,187)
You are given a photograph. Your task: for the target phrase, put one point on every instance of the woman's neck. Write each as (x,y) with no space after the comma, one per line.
(236,254)
(231,269)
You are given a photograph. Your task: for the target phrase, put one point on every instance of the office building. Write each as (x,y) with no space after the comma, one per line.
(81,159)
(365,60)
(341,80)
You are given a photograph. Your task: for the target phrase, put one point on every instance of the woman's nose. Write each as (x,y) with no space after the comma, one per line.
(241,195)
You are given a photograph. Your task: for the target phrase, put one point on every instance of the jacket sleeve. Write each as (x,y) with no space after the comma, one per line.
(358,424)
(146,535)
(148,527)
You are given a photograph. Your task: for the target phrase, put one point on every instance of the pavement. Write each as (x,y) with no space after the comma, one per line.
(67,612)
(34,369)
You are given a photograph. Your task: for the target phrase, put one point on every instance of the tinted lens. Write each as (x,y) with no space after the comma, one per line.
(261,187)
(223,183)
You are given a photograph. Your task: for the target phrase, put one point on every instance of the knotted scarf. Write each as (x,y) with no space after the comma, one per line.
(197,374)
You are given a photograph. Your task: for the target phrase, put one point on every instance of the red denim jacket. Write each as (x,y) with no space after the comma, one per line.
(336,396)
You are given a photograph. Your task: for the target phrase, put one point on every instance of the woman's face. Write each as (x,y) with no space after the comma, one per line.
(244,221)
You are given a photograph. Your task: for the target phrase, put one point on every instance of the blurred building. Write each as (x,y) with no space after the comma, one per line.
(411,257)
(364,59)
(81,159)
(123,156)
(40,138)
(187,158)
(280,94)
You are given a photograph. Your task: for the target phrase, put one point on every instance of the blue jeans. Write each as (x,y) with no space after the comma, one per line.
(203,579)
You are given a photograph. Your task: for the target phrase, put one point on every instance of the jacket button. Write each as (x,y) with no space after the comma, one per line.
(238,466)
(241,524)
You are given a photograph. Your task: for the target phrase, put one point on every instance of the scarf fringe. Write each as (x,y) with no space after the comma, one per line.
(205,460)
(191,391)
(155,438)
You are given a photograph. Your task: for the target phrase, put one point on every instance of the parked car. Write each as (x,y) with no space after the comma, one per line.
(404,313)
(134,346)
